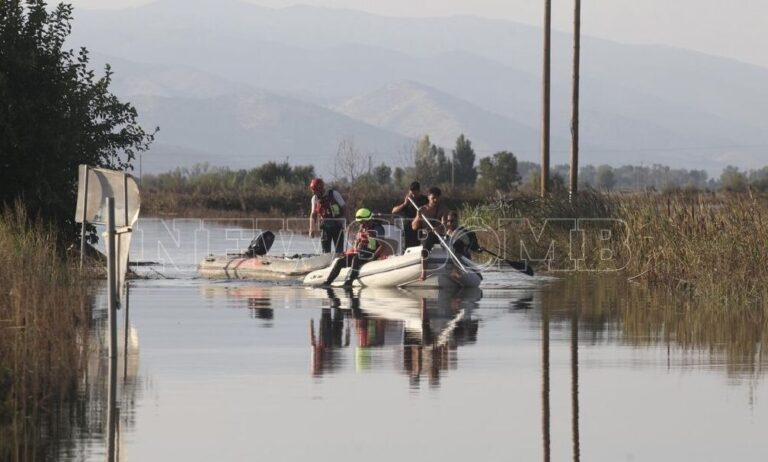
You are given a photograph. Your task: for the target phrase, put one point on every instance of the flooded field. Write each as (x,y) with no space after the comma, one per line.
(575,368)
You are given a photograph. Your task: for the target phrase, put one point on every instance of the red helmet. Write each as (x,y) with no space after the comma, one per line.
(316,184)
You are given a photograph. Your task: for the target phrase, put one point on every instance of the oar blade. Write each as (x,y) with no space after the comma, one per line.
(521,266)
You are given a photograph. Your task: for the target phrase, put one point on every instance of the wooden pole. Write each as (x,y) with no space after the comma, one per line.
(575,104)
(545,99)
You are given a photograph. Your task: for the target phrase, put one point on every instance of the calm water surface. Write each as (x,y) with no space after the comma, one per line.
(571,369)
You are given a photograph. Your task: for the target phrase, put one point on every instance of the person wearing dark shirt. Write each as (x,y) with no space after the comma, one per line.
(462,241)
(408,211)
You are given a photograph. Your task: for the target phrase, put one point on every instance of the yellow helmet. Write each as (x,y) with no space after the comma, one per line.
(363,215)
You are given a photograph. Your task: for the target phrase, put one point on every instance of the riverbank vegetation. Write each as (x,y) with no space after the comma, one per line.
(44,322)
(56,114)
(711,245)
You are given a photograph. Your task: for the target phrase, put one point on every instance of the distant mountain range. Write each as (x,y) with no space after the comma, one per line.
(413,109)
(236,84)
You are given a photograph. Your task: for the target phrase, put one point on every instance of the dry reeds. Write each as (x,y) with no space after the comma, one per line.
(44,316)
(714,246)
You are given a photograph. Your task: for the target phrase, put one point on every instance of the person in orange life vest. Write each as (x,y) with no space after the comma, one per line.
(436,212)
(327,215)
(367,248)
(407,210)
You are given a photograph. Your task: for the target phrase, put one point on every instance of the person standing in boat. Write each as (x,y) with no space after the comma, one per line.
(462,241)
(327,216)
(367,248)
(408,211)
(435,212)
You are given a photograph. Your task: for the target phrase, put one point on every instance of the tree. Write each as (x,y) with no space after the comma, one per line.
(498,173)
(758,179)
(302,174)
(383,174)
(399,176)
(424,161)
(350,162)
(604,178)
(587,175)
(464,162)
(443,165)
(272,173)
(55,114)
(733,180)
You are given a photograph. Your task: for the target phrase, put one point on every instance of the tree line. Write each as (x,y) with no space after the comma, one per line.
(498,174)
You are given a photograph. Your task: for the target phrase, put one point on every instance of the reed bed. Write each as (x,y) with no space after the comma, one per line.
(44,321)
(714,246)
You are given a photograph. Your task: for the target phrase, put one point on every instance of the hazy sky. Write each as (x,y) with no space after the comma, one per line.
(732,28)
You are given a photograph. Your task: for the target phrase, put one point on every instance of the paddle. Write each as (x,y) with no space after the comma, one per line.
(518,265)
(440,238)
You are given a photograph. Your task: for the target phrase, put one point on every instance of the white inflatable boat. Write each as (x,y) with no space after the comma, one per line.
(261,267)
(405,271)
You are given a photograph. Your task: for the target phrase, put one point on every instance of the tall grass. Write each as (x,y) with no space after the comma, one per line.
(716,245)
(44,317)
(712,245)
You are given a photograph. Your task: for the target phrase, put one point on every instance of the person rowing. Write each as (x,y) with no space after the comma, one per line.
(409,212)
(435,212)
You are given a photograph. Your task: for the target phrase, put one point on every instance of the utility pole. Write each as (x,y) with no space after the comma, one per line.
(545,99)
(575,104)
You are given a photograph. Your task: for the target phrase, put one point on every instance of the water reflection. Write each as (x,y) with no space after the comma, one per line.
(426,327)
(610,310)
(103,410)
(520,349)
(261,308)
(546,427)
(331,336)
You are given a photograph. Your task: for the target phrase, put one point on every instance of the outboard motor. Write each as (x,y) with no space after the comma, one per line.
(261,244)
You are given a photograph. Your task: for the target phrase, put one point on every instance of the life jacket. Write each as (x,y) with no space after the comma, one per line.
(326,206)
(365,241)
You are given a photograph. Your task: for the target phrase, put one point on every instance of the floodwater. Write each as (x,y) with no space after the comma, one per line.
(576,368)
